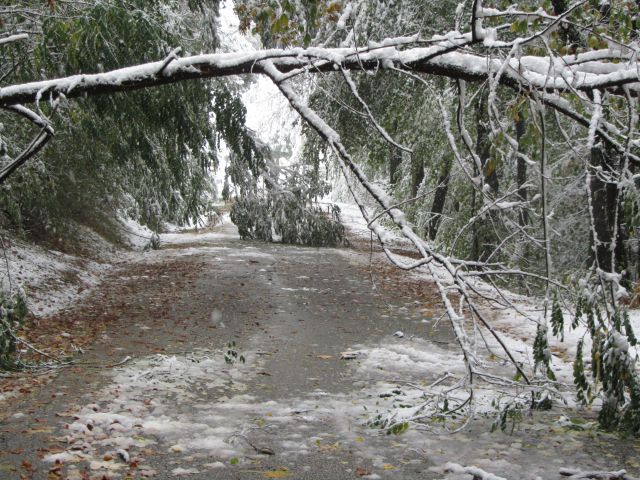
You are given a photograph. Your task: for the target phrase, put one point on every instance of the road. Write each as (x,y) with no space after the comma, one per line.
(221,359)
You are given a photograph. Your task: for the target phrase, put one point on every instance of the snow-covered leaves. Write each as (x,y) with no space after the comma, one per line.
(281,203)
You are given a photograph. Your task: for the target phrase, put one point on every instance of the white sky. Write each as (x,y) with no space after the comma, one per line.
(268,112)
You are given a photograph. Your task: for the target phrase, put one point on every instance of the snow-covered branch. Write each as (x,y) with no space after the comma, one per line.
(13,38)
(531,72)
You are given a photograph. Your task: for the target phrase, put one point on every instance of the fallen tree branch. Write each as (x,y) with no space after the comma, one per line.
(439,60)
(475,472)
(580,475)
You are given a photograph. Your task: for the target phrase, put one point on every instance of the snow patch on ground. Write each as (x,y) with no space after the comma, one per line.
(515,327)
(408,358)
(178,237)
(195,237)
(195,408)
(168,400)
(248,252)
(136,236)
(52,280)
(142,406)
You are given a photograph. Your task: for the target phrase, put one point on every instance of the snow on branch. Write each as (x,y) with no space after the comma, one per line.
(38,143)
(580,475)
(475,472)
(13,38)
(443,59)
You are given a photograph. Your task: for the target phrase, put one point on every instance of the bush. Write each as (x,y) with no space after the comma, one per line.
(13,309)
(284,216)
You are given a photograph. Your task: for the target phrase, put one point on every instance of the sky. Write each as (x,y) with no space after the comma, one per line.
(268,112)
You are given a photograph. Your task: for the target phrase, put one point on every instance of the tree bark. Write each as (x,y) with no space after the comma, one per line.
(484,235)
(417,174)
(394,165)
(434,61)
(604,200)
(483,146)
(439,199)
(521,172)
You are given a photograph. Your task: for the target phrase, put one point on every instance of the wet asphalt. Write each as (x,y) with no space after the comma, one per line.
(296,309)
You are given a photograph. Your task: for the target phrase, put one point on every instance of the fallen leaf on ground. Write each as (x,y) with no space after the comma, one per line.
(348,355)
(361,472)
(277,474)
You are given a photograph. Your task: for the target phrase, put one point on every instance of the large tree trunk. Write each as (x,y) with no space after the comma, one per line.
(417,174)
(604,200)
(439,199)
(394,165)
(483,231)
(521,172)
(483,146)
(395,160)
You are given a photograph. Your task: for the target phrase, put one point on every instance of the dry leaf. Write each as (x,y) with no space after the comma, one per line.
(276,474)
(361,472)
(348,355)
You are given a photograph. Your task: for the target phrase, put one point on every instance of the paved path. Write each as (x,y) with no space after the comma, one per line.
(186,405)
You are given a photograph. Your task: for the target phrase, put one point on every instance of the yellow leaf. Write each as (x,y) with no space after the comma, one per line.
(276,474)
(386,466)
(38,430)
(360,439)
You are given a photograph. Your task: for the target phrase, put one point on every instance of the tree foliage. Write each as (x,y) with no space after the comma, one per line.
(148,153)
(286,207)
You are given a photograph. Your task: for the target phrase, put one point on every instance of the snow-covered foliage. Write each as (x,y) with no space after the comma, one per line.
(286,209)
(148,153)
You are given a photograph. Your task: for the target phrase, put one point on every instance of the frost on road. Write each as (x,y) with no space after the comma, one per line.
(246,360)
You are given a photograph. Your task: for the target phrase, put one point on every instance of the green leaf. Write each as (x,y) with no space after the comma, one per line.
(557,318)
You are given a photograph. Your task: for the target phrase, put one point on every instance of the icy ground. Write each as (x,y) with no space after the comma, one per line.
(185,405)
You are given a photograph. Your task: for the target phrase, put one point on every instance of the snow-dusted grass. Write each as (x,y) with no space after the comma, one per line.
(53,280)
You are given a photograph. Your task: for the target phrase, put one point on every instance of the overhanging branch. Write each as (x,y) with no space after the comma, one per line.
(534,72)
